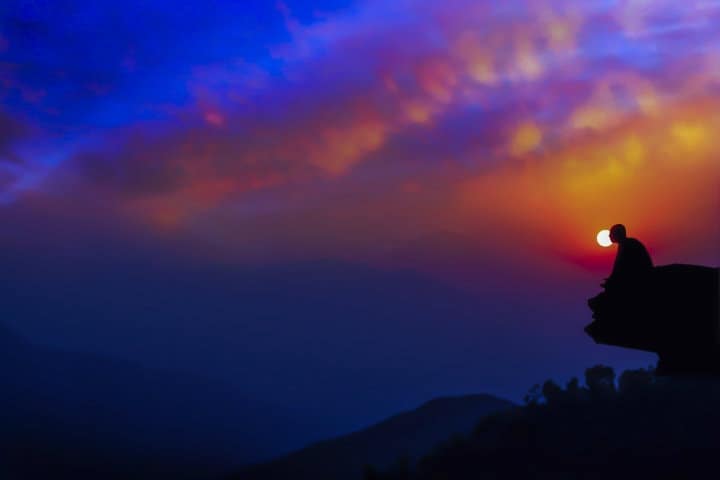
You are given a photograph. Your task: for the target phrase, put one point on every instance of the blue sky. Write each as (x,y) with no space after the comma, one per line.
(469,149)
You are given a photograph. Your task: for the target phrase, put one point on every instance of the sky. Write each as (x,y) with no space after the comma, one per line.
(350,206)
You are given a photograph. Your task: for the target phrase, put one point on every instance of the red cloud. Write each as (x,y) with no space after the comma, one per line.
(349,88)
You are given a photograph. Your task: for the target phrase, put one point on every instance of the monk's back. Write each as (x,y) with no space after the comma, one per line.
(634,256)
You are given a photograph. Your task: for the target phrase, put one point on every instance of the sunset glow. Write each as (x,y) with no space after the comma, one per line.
(531,118)
(336,198)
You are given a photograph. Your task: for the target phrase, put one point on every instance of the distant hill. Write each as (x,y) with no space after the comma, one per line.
(81,416)
(271,327)
(408,434)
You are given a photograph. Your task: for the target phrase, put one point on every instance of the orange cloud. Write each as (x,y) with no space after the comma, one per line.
(338,149)
(566,124)
(526,138)
(656,174)
(615,96)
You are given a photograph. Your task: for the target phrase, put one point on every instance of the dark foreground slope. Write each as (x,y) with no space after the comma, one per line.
(643,427)
(80,416)
(408,434)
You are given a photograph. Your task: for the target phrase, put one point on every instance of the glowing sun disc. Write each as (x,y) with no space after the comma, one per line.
(603,238)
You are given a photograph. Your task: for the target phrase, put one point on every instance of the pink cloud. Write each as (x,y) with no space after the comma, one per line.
(380,86)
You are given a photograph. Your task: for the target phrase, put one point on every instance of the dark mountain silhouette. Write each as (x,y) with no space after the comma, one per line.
(673,311)
(407,434)
(642,426)
(72,415)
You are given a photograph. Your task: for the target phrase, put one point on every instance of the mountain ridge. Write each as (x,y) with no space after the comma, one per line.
(406,434)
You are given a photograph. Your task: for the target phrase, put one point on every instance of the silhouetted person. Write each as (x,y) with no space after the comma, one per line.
(672,310)
(632,262)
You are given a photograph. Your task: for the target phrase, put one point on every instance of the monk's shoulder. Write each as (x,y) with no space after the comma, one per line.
(634,243)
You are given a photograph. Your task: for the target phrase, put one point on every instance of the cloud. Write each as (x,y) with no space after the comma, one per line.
(408,91)
(11,132)
(7,179)
(656,173)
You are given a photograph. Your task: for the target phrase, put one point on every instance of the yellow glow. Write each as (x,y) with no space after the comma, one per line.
(481,70)
(479,63)
(526,139)
(692,136)
(343,147)
(592,117)
(642,165)
(418,112)
(634,151)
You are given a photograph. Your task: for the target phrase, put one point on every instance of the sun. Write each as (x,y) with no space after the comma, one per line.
(603,238)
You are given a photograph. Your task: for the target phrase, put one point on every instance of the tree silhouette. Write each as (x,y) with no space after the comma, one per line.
(600,381)
(645,426)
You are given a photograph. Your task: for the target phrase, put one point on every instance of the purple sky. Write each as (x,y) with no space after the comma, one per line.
(350,206)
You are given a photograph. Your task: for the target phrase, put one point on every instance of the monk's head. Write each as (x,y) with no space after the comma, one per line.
(618,233)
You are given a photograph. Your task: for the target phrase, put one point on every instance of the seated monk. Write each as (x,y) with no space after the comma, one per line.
(632,263)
